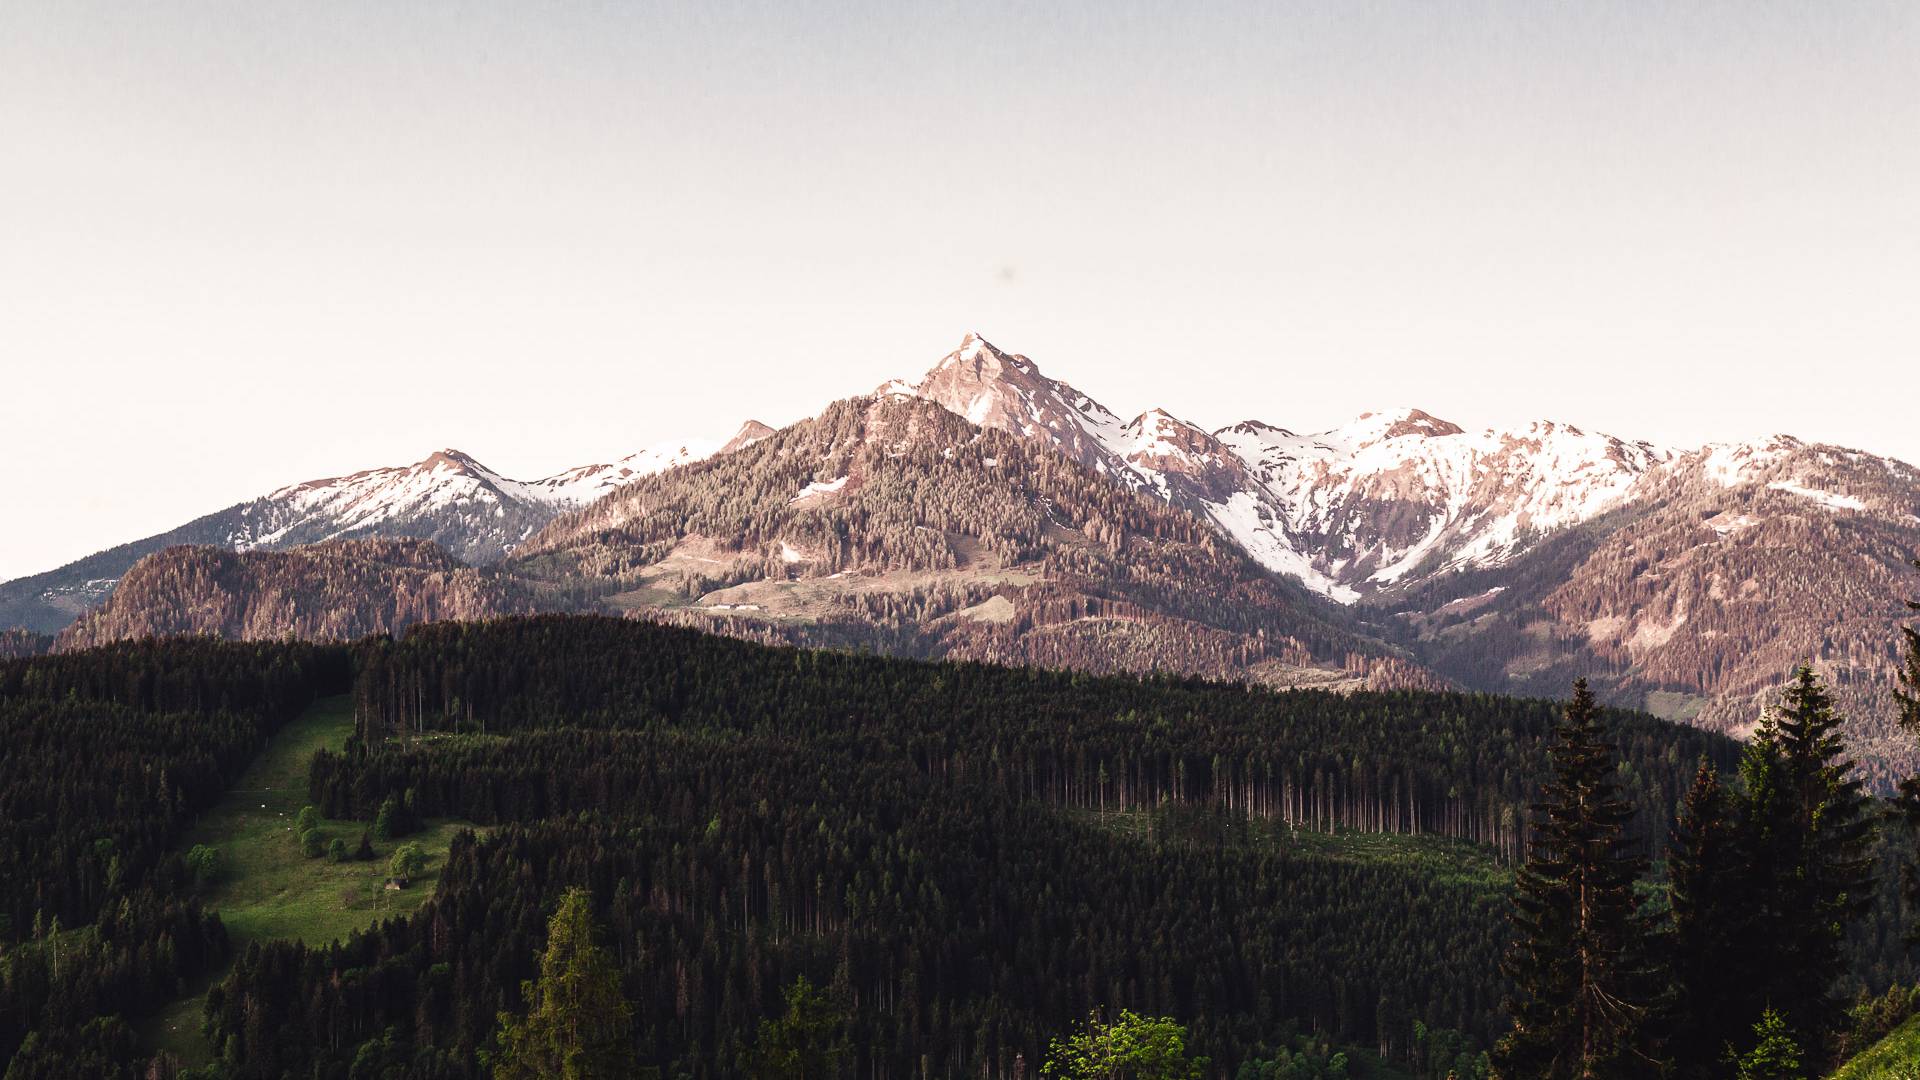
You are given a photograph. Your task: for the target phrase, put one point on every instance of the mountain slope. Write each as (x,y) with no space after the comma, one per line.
(1400,496)
(1391,497)
(1687,582)
(989,510)
(892,520)
(338,590)
(448,497)
(1726,568)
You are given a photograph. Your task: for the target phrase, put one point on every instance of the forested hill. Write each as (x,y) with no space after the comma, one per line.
(1413,761)
(967,858)
(109,755)
(334,591)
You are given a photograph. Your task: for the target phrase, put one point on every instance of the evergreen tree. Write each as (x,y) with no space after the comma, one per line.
(1775,1056)
(385,824)
(1907,695)
(578,1023)
(1705,1015)
(1133,1047)
(1807,835)
(1578,965)
(809,1042)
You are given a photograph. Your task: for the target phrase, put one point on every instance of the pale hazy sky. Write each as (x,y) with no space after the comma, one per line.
(243,244)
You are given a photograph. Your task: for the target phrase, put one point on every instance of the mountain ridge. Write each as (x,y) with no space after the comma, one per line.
(450,497)
(1682,580)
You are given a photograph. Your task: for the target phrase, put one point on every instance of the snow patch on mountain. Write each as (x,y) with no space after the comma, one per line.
(1828,499)
(1244,518)
(818,488)
(1731,464)
(579,486)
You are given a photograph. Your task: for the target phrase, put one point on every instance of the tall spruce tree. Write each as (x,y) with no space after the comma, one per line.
(1908,697)
(1807,836)
(808,1042)
(1581,982)
(1708,1002)
(578,1023)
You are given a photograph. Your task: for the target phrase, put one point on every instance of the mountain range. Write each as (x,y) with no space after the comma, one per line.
(477,515)
(989,511)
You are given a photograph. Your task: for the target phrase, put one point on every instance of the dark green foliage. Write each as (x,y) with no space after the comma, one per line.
(1908,698)
(1452,764)
(337,850)
(407,861)
(1710,913)
(1128,1047)
(101,1049)
(109,753)
(139,954)
(383,819)
(1872,1018)
(578,1023)
(1582,987)
(1302,1064)
(1807,836)
(947,906)
(205,864)
(808,1041)
(1774,1054)
(935,845)
(1771,885)
(274,680)
(855,804)
(365,852)
(757,814)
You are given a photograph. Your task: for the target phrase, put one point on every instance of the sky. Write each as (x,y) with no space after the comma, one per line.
(245,244)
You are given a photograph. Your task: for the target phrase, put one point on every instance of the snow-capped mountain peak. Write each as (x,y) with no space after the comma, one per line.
(996,389)
(1370,428)
(450,496)
(1376,502)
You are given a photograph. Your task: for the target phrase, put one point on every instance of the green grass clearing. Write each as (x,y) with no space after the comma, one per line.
(1677,707)
(1896,1057)
(268,889)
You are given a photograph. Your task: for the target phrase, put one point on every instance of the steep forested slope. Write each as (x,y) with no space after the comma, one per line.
(339,590)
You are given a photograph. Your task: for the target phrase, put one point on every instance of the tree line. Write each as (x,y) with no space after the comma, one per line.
(1403,761)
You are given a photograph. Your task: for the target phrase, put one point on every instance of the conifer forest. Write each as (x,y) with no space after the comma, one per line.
(905,868)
